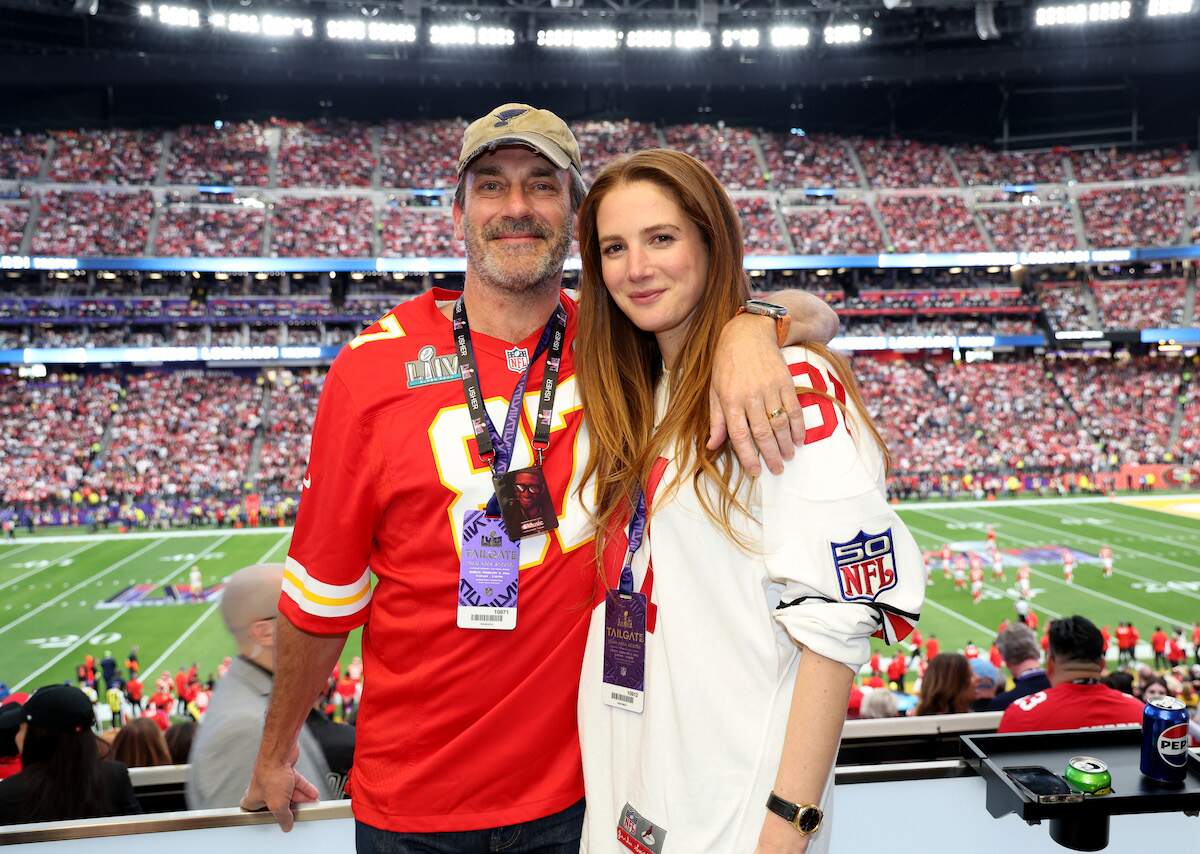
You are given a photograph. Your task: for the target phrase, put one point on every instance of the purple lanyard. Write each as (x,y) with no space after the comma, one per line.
(637,530)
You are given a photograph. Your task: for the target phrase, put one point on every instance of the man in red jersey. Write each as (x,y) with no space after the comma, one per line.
(1124,643)
(932,647)
(466,724)
(1077,699)
(1158,643)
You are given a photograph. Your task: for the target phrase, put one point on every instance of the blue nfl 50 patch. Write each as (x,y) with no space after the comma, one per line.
(865,565)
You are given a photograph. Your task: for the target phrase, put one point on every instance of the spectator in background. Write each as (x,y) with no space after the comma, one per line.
(1077,697)
(1153,689)
(1121,681)
(1019,647)
(947,687)
(10,723)
(987,679)
(62,776)
(179,741)
(226,744)
(140,744)
(880,703)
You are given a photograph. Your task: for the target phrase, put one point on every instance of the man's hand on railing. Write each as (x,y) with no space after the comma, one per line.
(277,787)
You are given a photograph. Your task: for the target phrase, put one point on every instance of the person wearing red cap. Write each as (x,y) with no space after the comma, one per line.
(62,775)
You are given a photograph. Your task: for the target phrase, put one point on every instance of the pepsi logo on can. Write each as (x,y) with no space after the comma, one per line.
(1172,745)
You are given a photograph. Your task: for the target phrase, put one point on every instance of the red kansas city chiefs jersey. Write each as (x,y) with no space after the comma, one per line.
(1071,706)
(459,729)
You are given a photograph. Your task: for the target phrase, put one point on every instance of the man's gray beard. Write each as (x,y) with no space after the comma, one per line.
(481,262)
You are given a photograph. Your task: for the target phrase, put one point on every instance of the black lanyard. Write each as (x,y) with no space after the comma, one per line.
(496,449)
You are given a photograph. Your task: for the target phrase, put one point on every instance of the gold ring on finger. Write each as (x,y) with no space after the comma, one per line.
(775,413)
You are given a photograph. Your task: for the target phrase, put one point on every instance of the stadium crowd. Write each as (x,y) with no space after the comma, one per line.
(113,156)
(1029,228)
(89,223)
(728,152)
(13,219)
(419,154)
(1065,305)
(179,434)
(930,224)
(325,154)
(896,163)
(1140,304)
(825,230)
(981,166)
(235,153)
(1138,216)
(326,226)
(605,140)
(421,232)
(760,226)
(212,231)
(21,155)
(287,428)
(815,160)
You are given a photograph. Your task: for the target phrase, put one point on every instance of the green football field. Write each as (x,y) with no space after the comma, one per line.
(65,596)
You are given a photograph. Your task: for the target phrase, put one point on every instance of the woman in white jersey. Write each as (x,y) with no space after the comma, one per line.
(720,658)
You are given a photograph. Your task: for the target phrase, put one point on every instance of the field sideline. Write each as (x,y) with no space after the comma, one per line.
(63,596)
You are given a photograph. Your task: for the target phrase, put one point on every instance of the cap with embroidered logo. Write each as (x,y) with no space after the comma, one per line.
(521,124)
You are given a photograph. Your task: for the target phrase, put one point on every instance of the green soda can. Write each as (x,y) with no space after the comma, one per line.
(1089,775)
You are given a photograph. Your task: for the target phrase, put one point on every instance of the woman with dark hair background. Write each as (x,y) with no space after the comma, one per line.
(179,741)
(947,687)
(63,776)
(140,744)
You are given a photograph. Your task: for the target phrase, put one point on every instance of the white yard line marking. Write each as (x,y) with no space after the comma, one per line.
(68,555)
(207,613)
(1130,549)
(84,638)
(149,535)
(1080,588)
(89,580)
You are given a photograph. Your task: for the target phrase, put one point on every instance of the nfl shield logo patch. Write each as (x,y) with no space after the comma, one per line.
(518,359)
(865,565)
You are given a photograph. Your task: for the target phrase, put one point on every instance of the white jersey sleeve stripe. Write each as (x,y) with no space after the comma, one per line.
(309,593)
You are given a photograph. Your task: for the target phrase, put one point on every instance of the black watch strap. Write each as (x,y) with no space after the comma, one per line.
(805,818)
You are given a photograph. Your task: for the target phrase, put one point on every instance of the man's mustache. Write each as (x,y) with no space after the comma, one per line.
(516,228)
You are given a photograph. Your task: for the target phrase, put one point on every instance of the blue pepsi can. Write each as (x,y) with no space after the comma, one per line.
(1165,740)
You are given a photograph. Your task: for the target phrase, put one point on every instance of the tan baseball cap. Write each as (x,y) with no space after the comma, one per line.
(521,124)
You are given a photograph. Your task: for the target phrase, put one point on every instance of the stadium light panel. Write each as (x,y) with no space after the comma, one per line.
(693,39)
(1077,14)
(783,38)
(745,39)
(648,38)
(346,30)
(392,32)
(580,39)
(844,34)
(496,36)
(178,16)
(271,26)
(463,34)
(1163,8)
(145,10)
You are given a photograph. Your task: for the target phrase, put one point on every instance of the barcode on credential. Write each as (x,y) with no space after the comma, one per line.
(624,698)
(487,618)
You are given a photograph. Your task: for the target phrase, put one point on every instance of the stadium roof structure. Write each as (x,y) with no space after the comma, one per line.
(960,68)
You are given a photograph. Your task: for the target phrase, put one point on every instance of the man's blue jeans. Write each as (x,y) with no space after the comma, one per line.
(554,834)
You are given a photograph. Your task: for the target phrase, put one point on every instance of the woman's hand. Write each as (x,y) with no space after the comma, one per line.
(779,837)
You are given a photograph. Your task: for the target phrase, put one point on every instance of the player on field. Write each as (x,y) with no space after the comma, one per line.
(195,582)
(928,569)
(960,572)
(659,223)
(991,538)
(946,553)
(1106,560)
(1068,566)
(467,721)
(1023,572)
(976,584)
(998,566)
